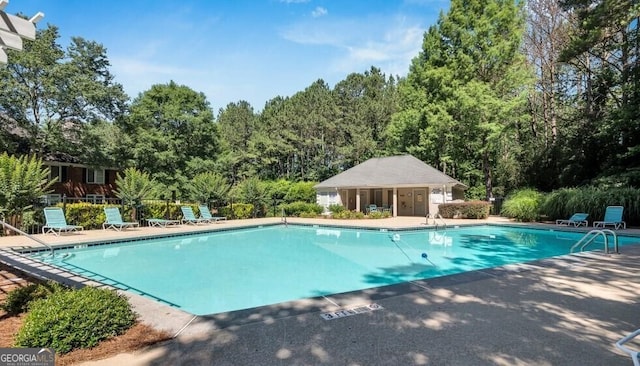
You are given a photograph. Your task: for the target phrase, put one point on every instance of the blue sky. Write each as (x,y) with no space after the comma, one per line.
(240,49)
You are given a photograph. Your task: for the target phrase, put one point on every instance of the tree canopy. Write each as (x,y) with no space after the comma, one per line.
(503,94)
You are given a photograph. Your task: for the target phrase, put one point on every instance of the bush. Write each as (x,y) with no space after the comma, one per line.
(158,209)
(87,215)
(240,211)
(348,215)
(301,191)
(336,208)
(379,215)
(297,208)
(562,203)
(68,320)
(523,205)
(465,210)
(18,300)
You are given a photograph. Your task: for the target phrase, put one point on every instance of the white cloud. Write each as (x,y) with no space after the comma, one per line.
(387,43)
(318,12)
(138,68)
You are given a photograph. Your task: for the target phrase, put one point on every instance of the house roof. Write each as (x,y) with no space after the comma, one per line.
(392,171)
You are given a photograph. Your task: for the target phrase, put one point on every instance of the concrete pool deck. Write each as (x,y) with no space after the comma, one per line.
(567,310)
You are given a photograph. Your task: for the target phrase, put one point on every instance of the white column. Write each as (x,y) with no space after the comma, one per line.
(357,199)
(395,201)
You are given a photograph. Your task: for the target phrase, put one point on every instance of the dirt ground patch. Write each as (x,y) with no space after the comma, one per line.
(138,336)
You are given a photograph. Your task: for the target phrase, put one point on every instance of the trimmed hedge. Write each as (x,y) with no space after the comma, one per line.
(87,215)
(73,319)
(348,215)
(91,216)
(240,211)
(379,215)
(298,208)
(465,210)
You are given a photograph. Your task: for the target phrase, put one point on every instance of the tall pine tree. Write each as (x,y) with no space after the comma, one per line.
(464,92)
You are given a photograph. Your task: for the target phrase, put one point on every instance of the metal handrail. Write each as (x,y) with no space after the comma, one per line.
(11,227)
(589,237)
(435,218)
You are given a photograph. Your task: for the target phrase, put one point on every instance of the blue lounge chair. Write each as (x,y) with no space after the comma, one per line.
(612,217)
(188,217)
(56,222)
(578,219)
(206,214)
(114,220)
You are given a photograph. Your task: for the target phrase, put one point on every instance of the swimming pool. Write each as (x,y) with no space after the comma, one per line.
(230,270)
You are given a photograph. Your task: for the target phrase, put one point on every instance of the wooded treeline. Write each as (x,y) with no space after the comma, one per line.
(503,95)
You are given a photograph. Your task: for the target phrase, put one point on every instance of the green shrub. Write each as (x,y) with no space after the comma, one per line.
(240,211)
(309,215)
(68,320)
(336,208)
(379,215)
(348,215)
(299,207)
(158,209)
(523,205)
(465,210)
(88,215)
(301,191)
(562,203)
(18,300)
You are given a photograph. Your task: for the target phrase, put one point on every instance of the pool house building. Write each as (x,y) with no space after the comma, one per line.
(403,185)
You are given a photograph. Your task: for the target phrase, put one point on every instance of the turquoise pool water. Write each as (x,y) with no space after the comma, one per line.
(237,269)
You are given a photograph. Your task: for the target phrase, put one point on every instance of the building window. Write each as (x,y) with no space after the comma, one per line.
(54,173)
(95,176)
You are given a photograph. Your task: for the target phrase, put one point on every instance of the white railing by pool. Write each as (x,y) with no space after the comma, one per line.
(592,235)
(11,227)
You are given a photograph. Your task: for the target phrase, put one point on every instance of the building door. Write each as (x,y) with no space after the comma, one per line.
(377,197)
(420,202)
(364,199)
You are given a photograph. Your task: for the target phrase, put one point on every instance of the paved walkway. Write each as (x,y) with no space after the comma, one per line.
(561,311)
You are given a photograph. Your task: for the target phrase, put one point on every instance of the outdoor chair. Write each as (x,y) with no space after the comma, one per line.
(372,208)
(206,214)
(56,222)
(188,217)
(578,219)
(162,222)
(635,355)
(114,220)
(612,217)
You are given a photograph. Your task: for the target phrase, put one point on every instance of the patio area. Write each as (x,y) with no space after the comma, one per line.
(568,310)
